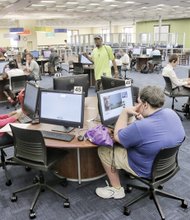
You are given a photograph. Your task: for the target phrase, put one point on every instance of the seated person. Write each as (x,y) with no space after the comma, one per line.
(152,63)
(154,129)
(13,71)
(181,86)
(23,60)
(5,138)
(32,69)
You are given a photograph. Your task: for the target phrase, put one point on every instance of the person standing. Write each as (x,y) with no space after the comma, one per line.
(32,68)
(101,57)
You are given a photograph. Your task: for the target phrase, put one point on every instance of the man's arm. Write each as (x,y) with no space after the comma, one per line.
(116,73)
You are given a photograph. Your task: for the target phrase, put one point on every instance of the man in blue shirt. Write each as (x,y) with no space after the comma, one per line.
(155,128)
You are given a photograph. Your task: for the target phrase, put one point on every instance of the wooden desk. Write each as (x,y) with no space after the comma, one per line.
(141,60)
(82,162)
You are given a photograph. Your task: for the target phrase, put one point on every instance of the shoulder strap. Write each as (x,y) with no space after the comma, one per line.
(107,51)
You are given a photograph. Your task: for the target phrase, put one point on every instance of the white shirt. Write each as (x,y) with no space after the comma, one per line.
(169,72)
(155,53)
(125,60)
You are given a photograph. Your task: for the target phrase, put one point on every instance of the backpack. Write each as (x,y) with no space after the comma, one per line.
(144,68)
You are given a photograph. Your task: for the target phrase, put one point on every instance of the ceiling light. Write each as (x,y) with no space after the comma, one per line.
(114,5)
(50,2)
(129,2)
(71,3)
(109,0)
(37,5)
(94,4)
(60,6)
(176,6)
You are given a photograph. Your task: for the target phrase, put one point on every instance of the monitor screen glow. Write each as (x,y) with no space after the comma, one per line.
(62,108)
(2,65)
(111,103)
(46,53)
(85,60)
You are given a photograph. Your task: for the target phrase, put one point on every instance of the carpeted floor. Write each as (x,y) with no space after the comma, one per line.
(85,205)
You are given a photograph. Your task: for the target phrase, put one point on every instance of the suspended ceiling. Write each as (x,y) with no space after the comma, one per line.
(91,13)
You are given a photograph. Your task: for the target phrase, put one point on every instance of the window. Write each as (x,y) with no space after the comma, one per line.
(128,35)
(106,35)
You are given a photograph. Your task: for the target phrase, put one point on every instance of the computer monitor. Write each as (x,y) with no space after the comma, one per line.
(136,51)
(108,83)
(2,66)
(67,83)
(31,98)
(62,108)
(143,50)
(148,51)
(35,54)
(46,53)
(111,103)
(84,60)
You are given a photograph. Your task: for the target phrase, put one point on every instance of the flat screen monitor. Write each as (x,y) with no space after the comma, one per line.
(31,97)
(108,83)
(84,60)
(148,51)
(111,103)
(2,66)
(136,51)
(46,53)
(62,108)
(67,83)
(35,54)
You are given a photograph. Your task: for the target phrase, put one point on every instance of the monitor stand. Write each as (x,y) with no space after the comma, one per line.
(62,129)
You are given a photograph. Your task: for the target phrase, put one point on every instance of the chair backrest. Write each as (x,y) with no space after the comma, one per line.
(29,145)
(157,58)
(168,86)
(165,163)
(17,83)
(78,68)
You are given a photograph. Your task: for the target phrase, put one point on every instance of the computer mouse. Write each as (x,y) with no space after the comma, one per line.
(80,138)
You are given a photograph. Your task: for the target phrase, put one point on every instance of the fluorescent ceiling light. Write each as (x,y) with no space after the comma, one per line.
(60,6)
(94,4)
(71,3)
(37,5)
(109,0)
(114,5)
(176,6)
(81,7)
(129,2)
(48,2)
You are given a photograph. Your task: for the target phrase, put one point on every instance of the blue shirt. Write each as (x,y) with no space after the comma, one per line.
(144,138)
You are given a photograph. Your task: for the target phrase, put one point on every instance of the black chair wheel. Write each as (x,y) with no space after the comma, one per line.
(36,179)
(13,198)
(126,211)
(184,204)
(8,183)
(160,187)
(64,182)
(129,189)
(32,215)
(66,204)
(27,168)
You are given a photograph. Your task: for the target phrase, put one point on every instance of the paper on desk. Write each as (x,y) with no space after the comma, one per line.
(7,128)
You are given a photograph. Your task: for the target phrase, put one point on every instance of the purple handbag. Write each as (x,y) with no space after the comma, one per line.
(99,135)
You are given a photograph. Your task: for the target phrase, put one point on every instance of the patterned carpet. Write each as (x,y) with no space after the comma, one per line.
(85,205)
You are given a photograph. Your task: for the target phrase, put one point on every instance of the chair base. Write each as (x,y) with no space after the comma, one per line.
(152,193)
(41,186)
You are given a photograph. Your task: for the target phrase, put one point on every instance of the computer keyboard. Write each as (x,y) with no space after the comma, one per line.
(58,136)
(24,119)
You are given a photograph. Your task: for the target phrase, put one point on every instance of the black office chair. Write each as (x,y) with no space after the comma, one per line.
(5,162)
(78,68)
(169,91)
(31,151)
(165,166)
(157,63)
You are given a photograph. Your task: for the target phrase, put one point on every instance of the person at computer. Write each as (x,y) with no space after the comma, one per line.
(23,59)
(151,62)
(12,71)
(32,69)
(125,63)
(155,128)
(181,87)
(101,55)
(5,138)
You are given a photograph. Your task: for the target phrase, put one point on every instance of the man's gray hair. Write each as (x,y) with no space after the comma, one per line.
(153,95)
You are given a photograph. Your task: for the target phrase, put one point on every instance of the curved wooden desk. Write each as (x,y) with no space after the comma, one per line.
(82,162)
